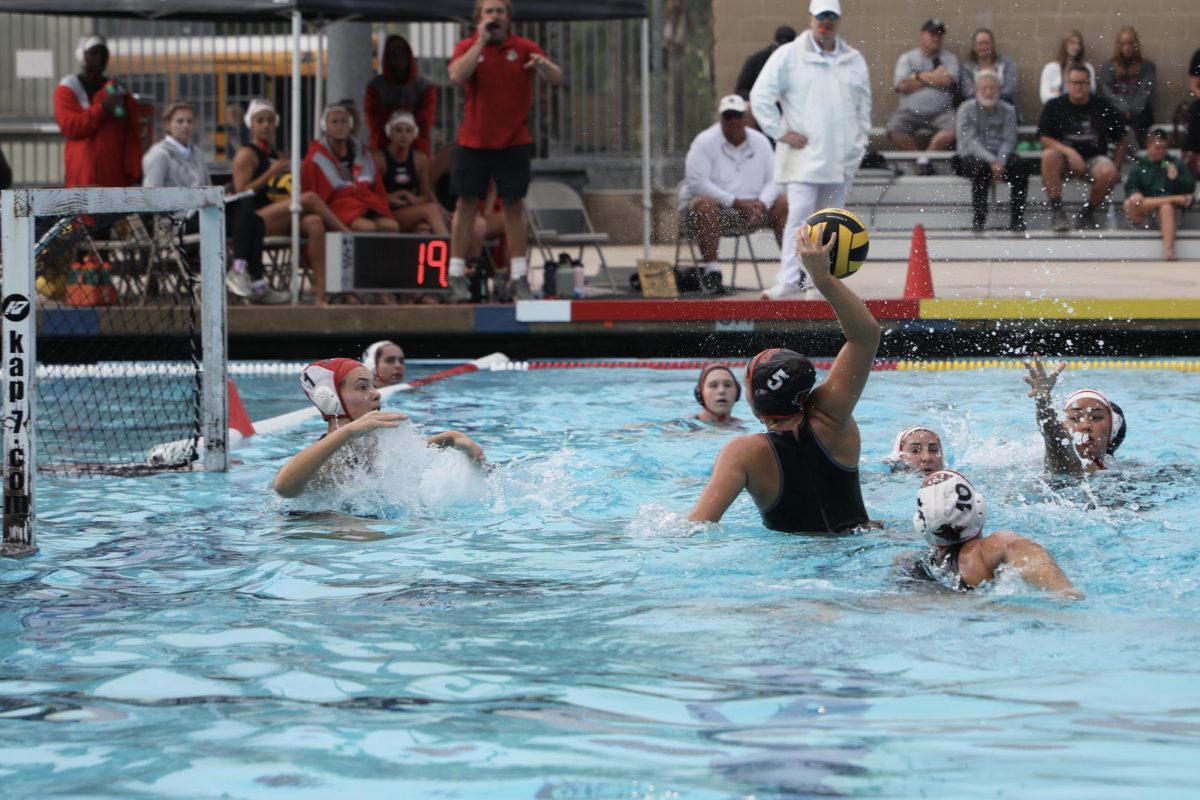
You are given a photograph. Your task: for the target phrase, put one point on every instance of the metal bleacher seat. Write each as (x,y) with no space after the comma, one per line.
(558,218)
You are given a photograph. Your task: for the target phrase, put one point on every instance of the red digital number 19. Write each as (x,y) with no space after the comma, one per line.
(434,255)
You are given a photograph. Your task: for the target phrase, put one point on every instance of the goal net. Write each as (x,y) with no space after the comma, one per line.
(114,337)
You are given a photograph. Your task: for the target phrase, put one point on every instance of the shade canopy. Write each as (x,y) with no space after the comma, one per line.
(365,10)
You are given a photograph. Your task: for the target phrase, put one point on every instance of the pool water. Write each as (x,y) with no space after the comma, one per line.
(556,629)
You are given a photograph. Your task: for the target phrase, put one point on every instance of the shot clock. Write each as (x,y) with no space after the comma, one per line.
(387,262)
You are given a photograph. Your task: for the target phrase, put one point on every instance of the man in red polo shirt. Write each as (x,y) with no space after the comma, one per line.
(496,68)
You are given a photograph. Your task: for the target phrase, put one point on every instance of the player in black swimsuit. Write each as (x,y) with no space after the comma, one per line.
(803,473)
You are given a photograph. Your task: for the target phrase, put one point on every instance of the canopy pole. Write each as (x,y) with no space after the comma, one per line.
(297,30)
(646,200)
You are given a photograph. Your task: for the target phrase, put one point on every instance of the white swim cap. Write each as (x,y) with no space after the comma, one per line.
(370,356)
(894,457)
(256,105)
(1118,416)
(949,509)
(399,117)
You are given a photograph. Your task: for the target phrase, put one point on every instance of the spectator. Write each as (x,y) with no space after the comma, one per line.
(925,78)
(821,84)
(1070,52)
(1192,145)
(399,87)
(99,119)
(753,67)
(1157,185)
(1128,83)
(758,59)
(729,186)
(263,170)
(987,138)
(983,56)
(406,178)
(496,69)
(342,173)
(1076,131)
(174,161)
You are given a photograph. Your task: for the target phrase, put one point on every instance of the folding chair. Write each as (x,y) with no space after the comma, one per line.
(738,232)
(558,218)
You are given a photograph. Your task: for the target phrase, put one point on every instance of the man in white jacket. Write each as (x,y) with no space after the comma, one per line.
(823,87)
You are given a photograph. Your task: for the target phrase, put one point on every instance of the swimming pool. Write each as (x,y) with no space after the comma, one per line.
(556,630)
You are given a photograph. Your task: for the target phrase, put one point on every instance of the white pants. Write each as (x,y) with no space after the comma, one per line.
(803,200)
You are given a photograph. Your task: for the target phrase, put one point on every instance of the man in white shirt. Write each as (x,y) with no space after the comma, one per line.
(729,186)
(822,85)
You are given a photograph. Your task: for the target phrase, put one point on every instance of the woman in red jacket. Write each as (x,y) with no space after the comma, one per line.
(342,172)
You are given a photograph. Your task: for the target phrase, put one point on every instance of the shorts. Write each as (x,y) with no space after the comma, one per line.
(1092,163)
(909,122)
(472,168)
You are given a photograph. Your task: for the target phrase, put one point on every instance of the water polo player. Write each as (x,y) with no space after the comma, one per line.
(950,515)
(803,472)
(343,390)
(1092,427)
(717,390)
(917,449)
(386,359)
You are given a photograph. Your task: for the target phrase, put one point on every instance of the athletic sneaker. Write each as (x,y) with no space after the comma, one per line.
(784,291)
(239,283)
(262,294)
(518,289)
(460,289)
(1059,221)
(1088,220)
(789,291)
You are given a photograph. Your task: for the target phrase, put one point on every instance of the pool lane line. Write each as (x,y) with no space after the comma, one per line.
(881,365)
(282,422)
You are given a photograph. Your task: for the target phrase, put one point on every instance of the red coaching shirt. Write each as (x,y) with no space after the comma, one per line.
(499,94)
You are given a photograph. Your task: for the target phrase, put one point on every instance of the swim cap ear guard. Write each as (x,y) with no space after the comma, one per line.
(949,509)
(779,382)
(320,381)
(698,390)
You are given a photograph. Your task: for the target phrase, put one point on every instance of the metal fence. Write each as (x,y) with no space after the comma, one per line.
(592,123)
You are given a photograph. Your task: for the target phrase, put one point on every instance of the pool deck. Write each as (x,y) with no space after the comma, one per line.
(997,308)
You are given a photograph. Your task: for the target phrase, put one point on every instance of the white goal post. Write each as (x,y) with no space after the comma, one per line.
(19,210)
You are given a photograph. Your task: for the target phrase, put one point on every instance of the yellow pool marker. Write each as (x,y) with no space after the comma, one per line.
(1059,308)
(1074,365)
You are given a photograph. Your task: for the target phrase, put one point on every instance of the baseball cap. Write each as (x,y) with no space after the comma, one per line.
(950,509)
(731,102)
(825,7)
(88,42)
(934,25)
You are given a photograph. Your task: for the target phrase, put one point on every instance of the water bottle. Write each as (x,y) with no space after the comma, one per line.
(112,88)
(549,276)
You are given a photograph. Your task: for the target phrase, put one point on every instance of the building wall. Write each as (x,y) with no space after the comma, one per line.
(1027,30)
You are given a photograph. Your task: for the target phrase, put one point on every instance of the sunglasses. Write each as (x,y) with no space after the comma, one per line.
(827,16)
(732,115)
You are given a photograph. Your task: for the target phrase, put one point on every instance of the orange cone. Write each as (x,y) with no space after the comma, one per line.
(919,284)
(239,420)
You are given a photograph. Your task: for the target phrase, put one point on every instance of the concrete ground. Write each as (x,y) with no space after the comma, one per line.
(965,279)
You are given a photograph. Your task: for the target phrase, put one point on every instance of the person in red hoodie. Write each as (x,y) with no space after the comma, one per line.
(342,172)
(399,87)
(99,119)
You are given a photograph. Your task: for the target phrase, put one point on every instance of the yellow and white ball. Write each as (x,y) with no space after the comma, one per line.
(853,239)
